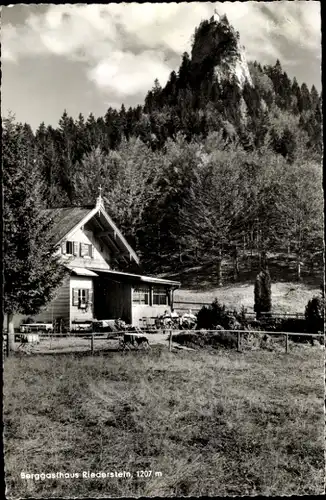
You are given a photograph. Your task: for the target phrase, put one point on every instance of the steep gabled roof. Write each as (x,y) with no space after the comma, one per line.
(64,219)
(67,220)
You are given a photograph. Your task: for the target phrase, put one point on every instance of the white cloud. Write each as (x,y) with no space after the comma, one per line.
(170,25)
(62,30)
(124,44)
(128,74)
(262,24)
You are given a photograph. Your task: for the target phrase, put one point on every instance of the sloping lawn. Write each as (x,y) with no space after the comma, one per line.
(210,423)
(287,297)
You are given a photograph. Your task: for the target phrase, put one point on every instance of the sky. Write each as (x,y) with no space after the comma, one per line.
(87,57)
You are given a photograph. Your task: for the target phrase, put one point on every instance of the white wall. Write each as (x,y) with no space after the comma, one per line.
(77,314)
(100,259)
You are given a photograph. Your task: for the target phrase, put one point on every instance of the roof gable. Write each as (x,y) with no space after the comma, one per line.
(65,221)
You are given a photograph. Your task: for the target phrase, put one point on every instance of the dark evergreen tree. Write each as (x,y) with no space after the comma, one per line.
(67,154)
(263,293)
(305,98)
(184,75)
(31,269)
(314,314)
(315,99)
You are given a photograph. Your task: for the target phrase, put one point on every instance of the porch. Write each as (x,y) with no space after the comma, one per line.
(135,299)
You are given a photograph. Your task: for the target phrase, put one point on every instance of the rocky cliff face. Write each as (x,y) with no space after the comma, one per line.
(216,44)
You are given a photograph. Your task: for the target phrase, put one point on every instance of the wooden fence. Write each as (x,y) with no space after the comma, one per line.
(170,333)
(5,346)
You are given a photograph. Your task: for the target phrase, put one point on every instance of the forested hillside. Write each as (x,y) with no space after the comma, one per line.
(212,167)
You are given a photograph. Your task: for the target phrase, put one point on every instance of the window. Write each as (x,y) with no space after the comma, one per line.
(85,250)
(160,297)
(141,296)
(82,298)
(70,247)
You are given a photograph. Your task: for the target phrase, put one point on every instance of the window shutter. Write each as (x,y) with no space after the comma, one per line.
(90,251)
(63,247)
(90,297)
(85,249)
(75,296)
(75,247)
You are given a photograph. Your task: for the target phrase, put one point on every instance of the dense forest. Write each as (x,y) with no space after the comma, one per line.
(206,170)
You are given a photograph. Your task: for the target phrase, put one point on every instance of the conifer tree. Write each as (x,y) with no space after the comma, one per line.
(31,269)
(263,291)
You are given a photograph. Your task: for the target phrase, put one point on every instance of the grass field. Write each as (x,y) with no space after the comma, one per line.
(212,423)
(287,297)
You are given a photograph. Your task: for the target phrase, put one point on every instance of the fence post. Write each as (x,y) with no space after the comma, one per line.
(286,343)
(239,341)
(170,341)
(7,345)
(92,343)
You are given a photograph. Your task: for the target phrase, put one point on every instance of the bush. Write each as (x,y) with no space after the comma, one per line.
(291,325)
(216,314)
(314,314)
(270,324)
(204,339)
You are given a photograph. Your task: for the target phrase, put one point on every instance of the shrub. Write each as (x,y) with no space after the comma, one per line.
(242,317)
(314,314)
(216,314)
(204,339)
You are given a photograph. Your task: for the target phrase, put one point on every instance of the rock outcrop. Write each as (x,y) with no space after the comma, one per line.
(217,46)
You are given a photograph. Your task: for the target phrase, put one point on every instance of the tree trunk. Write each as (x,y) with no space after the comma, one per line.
(289,251)
(235,264)
(10,333)
(219,269)
(262,259)
(299,270)
(219,272)
(159,247)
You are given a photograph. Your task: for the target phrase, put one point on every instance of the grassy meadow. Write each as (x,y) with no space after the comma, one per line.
(210,422)
(287,297)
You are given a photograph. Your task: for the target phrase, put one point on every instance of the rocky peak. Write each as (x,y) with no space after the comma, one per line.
(217,46)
